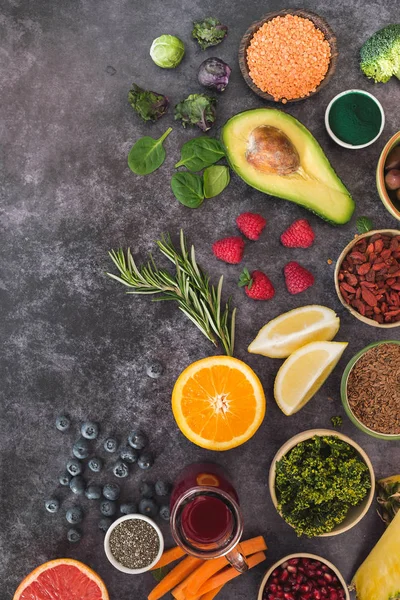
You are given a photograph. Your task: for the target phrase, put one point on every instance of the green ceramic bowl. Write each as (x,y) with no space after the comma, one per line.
(345,402)
(380,177)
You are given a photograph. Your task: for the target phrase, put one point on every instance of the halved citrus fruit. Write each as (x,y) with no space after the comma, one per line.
(62,579)
(218,402)
(303,373)
(292,330)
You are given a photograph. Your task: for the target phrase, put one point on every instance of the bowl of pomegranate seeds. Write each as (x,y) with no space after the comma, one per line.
(367,278)
(303,577)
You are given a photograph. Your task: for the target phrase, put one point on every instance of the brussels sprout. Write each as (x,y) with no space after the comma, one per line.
(167,51)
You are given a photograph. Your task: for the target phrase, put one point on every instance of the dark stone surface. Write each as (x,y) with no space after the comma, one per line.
(71,340)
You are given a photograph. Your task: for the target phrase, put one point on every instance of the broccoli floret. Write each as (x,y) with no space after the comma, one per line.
(380,54)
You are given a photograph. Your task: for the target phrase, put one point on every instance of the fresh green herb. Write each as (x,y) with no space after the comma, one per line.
(167,51)
(196,109)
(336,421)
(190,287)
(200,152)
(160,573)
(215,180)
(209,32)
(147,154)
(364,224)
(317,482)
(149,105)
(188,188)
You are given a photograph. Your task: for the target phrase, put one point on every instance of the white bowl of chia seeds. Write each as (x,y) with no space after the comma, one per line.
(134,544)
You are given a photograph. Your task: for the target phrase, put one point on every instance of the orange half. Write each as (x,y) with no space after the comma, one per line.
(62,579)
(218,402)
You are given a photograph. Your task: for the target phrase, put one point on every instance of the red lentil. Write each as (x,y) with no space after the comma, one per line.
(288,57)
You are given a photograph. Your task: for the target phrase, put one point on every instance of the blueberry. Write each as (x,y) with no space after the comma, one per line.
(120,469)
(62,423)
(165,512)
(138,439)
(74,467)
(110,445)
(74,515)
(74,535)
(65,478)
(128,454)
(162,488)
(108,508)
(146,460)
(148,507)
(128,508)
(93,492)
(52,505)
(90,430)
(81,448)
(77,485)
(95,464)
(111,491)
(154,369)
(147,490)
(105,523)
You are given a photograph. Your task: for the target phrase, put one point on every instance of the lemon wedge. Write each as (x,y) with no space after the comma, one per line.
(292,330)
(303,373)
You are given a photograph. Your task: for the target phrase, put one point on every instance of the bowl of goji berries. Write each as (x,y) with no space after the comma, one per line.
(367,278)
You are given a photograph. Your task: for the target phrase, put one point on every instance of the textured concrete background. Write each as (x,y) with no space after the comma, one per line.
(71,339)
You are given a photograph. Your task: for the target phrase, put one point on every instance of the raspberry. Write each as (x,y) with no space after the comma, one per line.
(298,235)
(257,285)
(229,249)
(297,278)
(251,225)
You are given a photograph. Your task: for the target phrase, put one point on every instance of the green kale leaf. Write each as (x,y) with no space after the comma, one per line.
(209,32)
(149,105)
(197,109)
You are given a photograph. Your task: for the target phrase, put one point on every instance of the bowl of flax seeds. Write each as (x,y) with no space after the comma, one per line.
(370,390)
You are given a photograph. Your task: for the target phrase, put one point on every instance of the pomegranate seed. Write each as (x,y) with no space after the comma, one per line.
(295,587)
(275,573)
(333,596)
(335,579)
(284,575)
(317,563)
(284,565)
(301,569)
(287,588)
(328,577)
(318,572)
(294,561)
(272,587)
(305,597)
(316,595)
(325,568)
(275,580)
(321,581)
(292,569)
(304,588)
(299,578)
(271,597)
(279,595)
(324,591)
(305,561)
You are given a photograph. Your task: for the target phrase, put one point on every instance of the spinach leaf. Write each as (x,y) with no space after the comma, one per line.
(364,224)
(160,573)
(188,188)
(216,178)
(199,153)
(147,154)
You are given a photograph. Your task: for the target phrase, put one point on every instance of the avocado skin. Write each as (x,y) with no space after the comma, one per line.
(314,194)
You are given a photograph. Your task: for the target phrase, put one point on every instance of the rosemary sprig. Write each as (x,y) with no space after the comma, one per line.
(190,287)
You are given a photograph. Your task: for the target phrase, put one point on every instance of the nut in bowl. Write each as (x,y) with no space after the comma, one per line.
(309,504)
(367,278)
(278,70)
(369,390)
(303,573)
(388,176)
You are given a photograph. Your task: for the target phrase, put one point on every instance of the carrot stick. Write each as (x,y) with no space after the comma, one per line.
(179,591)
(210,567)
(174,577)
(210,595)
(169,556)
(229,573)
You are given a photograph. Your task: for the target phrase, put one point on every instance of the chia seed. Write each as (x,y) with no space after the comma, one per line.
(134,543)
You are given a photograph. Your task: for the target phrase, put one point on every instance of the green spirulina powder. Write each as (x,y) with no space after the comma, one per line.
(355,118)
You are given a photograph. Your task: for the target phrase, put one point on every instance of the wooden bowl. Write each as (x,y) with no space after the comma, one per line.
(355,513)
(336,275)
(318,21)
(380,177)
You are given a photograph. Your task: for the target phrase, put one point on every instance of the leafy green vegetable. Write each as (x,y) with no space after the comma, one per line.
(149,105)
(188,188)
(147,154)
(336,421)
(209,32)
(317,482)
(196,109)
(215,180)
(364,224)
(167,51)
(380,54)
(199,153)
(160,573)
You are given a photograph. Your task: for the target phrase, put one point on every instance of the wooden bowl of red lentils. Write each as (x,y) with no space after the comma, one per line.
(367,278)
(288,55)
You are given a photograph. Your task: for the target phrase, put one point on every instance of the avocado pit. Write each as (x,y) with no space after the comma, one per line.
(271,151)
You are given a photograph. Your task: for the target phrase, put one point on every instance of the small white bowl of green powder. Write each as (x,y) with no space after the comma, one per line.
(354,119)
(134,544)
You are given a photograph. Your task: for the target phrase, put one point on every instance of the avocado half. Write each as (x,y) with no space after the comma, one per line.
(274,153)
